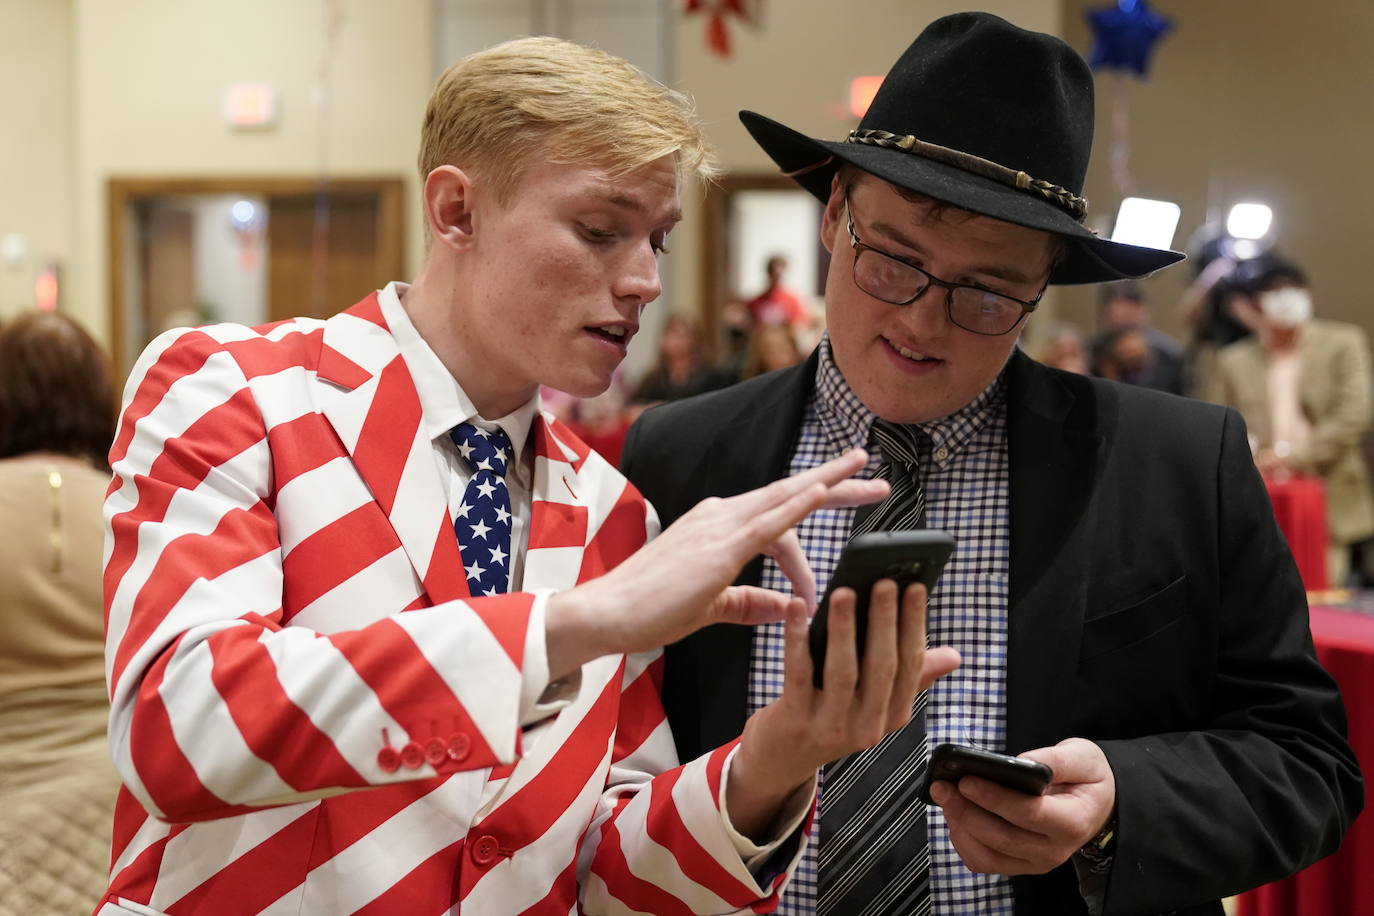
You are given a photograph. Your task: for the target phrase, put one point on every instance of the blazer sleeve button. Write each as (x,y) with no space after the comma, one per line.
(388,760)
(459,747)
(436,752)
(412,756)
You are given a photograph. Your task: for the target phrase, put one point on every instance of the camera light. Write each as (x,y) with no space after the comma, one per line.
(1249,221)
(1145,222)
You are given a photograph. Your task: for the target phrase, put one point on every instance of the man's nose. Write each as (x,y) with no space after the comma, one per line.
(928,313)
(639,278)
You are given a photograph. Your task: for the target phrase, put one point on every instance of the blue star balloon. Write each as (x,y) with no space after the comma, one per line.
(1125,36)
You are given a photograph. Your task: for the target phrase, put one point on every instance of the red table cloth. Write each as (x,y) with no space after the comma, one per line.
(1341,884)
(1300,507)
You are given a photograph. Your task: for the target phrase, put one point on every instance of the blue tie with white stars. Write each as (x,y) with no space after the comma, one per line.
(482,521)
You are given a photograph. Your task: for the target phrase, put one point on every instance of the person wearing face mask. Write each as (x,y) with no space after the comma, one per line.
(1303,386)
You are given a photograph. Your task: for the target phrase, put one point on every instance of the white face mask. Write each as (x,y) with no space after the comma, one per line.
(1287,307)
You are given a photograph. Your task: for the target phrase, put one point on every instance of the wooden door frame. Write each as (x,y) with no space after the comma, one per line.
(717,250)
(123,191)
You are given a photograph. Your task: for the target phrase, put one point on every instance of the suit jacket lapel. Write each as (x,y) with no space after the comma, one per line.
(371,402)
(1055,449)
(560,517)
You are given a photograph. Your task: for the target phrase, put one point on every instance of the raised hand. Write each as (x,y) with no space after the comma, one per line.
(862,701)
(679,582)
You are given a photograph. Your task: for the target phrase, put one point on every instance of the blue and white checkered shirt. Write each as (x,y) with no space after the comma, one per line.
(966,481)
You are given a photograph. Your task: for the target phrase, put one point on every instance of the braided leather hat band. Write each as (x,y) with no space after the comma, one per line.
(1070,203)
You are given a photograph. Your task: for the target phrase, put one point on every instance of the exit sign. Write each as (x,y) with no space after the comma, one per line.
(251,105)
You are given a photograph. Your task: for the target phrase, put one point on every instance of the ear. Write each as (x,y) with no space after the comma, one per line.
(832,218)
(448,200)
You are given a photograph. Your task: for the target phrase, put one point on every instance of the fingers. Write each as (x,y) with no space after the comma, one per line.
(762,528)
(880,664)
(1073,760)
(968,835)
(796,651)
(911,648)
(787,551)
(828,474)
(856,493)
(841,657)
(937,663)
(749,606)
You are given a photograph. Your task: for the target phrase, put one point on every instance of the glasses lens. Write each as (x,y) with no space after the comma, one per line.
(887,279)
(983,312)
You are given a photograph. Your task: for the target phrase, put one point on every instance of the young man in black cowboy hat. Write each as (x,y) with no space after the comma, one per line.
(1126,609)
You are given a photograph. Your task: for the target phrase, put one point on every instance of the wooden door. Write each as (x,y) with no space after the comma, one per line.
(168,256)
(322,253)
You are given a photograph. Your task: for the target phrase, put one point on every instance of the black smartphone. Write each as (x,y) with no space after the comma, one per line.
(907,557)
(950,762)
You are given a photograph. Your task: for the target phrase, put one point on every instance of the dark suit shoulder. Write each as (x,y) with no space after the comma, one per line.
(1111,408)
(701,417)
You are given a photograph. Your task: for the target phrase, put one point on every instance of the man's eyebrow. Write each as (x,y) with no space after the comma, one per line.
(996,271)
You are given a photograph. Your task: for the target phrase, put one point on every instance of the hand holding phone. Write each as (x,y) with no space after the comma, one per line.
(906,557)
(952,762)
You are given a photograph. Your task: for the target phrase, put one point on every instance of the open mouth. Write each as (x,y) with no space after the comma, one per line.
(616,334)
(914,355)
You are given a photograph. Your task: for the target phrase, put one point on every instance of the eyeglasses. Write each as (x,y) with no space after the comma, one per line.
(887,277)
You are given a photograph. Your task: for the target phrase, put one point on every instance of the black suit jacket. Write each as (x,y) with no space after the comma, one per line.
(1154,608)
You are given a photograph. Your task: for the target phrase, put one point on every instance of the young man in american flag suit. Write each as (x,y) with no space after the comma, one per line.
(382,638)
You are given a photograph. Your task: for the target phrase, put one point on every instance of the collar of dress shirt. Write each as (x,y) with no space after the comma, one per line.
(443,403)
(847,420)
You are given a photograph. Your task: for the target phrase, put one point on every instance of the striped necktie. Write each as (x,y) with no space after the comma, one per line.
(483,520)
(873,856)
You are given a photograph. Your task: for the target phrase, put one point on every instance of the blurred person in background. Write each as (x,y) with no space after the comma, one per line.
(1212,309)
(681,370)
(1128,349)
(771,347)
(1303,386)
(1063,348)
(57,784)
(735,325)
(777,304)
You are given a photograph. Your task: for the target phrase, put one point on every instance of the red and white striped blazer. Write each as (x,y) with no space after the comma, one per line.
(311,715)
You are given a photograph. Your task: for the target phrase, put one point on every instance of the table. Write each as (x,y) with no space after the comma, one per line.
(1342,883)
(1300,508)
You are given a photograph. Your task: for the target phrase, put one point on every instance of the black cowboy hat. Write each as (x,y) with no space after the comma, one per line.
(985,116)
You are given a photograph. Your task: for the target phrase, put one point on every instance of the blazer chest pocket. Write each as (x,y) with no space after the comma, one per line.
(1137,623)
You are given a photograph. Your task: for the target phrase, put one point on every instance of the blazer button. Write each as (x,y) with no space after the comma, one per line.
(459,746)
(388,760)
(485,850)
(412,755)
(436,752)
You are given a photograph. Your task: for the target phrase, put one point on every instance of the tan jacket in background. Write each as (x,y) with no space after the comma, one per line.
(1335,394)
(57,781)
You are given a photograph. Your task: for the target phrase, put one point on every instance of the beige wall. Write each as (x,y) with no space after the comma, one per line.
(149,75)
(797,69)
(1264,101)
(36,149)
(1245,100)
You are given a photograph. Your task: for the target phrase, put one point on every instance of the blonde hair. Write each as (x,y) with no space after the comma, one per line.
(496,112)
